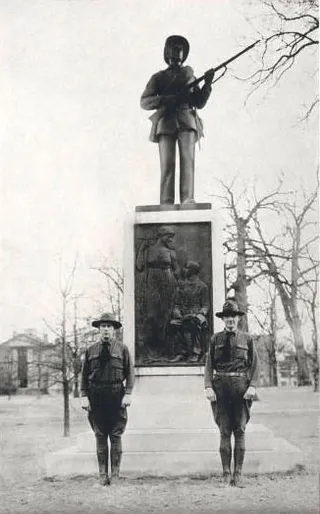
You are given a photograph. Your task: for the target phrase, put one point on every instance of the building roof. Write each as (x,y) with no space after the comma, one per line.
(25,340)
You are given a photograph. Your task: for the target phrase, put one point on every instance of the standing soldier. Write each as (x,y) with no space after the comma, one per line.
(230,379)
(107,365)
(176,120)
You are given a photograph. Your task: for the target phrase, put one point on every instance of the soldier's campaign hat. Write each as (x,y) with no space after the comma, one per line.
(165,230)
(230,308)
(176,40)
(107,317)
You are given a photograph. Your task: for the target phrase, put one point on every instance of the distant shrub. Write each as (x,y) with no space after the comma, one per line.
(6,390)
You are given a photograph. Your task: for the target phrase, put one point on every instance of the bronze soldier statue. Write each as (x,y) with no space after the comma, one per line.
(176,119)
(106,368)
(230,379)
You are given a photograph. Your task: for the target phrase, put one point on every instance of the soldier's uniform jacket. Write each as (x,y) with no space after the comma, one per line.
(239,355)
(116,369)
(184,116)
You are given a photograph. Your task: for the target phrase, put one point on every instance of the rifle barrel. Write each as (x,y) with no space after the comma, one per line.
(223,64)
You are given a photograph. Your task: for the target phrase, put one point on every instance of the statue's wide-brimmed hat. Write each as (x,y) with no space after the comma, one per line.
(176,40)
(230,308)
(107,317)
(165,230)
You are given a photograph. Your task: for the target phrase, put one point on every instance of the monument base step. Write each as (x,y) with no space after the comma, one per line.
(167,452)
(171,432)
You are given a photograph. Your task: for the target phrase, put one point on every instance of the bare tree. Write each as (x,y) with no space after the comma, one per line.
(310,298)
(76,361)
(61,362)
(294,33)
(114,285)
(65,291)
(268,323)
(281,258)
(242,270)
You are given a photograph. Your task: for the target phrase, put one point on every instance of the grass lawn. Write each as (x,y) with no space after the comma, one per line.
(31,427)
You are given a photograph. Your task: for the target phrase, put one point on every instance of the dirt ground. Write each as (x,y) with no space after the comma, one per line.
(31,427)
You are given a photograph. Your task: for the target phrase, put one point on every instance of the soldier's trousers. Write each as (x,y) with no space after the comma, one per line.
(108,420)
(167,149)
(231,413)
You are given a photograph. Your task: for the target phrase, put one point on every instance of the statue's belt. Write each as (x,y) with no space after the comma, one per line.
(156,265)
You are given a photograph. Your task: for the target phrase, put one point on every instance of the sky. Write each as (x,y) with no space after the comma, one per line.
(75,155)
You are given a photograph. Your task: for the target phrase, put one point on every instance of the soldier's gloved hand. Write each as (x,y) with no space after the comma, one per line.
(250,393)
(210,394)
(126,400)
(208,77)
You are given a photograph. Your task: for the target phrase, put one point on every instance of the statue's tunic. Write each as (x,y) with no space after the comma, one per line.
(184,116)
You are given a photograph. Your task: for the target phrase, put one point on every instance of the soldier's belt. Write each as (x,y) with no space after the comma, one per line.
(230,373)
(104,384)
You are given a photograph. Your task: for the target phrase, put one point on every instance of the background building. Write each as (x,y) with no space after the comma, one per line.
(25,363)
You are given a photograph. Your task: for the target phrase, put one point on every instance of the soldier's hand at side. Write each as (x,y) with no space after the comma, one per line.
(126,400)
(210,394)
(250,393)
(84,402)
(208,77)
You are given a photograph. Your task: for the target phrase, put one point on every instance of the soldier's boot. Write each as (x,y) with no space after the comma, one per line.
(116,455)
(225,454)
(238,455)
(103,467)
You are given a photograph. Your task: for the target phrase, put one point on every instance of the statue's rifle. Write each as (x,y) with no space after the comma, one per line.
(221,66)
(160,112)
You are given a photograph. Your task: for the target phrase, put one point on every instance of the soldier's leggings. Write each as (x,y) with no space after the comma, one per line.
(108,420)
(231,413)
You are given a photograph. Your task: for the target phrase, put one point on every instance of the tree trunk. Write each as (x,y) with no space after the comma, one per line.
(315,357)
(301,354)
(39,366)
(66,424)
(315,370)
(76,358)
(294,322)
(240,285)
(273,340)
(273,367)
(76,385)
(65,381)
(316,377)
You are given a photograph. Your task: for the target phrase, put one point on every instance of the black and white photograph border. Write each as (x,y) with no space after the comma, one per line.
(122,123)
